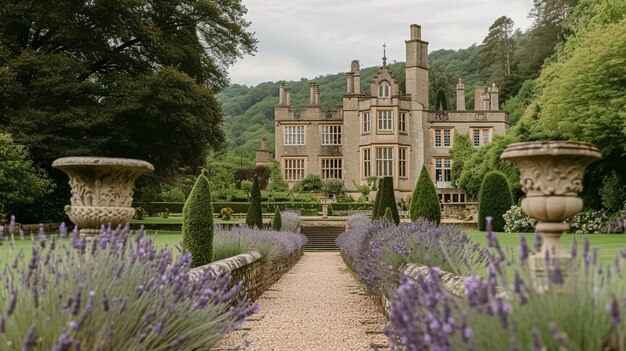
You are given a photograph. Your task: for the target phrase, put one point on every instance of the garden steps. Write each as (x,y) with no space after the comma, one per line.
(322,238)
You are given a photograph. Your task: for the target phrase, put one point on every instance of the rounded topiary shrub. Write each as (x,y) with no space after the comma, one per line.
(424,200)
(494,200)
(198,223)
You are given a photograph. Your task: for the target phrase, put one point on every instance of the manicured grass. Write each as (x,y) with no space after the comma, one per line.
(609,244)
(164,238)
(179,220)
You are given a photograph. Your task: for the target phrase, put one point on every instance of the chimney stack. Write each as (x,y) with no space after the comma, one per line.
(416,32)
(317,94)
(281,93)
(356,76)
(479,91)
(311,93)
(287,96)
(263,144)
(350,85)
(495,103)
(460,96)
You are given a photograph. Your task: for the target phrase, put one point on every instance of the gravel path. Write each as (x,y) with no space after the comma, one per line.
(316,306)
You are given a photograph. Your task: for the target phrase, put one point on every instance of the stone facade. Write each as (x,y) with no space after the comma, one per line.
(382,131)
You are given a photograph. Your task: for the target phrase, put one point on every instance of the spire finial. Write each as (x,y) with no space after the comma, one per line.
(384,55)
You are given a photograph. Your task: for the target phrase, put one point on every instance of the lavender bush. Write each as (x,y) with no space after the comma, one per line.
(113,294)
(380,249)
(583,311)
(290,220)
(358,221)
(271,244)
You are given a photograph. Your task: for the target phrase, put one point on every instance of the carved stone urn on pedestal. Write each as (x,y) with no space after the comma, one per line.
(551,175)
(102,190)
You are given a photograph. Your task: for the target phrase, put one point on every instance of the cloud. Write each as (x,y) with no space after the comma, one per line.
(308,38)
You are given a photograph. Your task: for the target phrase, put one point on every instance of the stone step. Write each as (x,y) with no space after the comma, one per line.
(322,238)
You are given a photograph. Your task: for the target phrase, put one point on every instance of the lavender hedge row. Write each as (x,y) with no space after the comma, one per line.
(380,248)
(113,294)
(271,244)
(580,311)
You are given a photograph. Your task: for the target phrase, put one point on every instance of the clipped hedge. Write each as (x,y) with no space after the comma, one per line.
(152,208)
(494,200)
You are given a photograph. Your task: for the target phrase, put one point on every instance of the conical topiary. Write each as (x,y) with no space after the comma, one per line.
(198,223)
(379,192)
(254,218)
(494,199)
(388,199)
(277,221)
(424,200)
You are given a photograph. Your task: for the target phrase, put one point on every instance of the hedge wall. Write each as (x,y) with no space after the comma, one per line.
(153,208)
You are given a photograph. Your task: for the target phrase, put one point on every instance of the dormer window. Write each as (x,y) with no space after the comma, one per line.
(384,89)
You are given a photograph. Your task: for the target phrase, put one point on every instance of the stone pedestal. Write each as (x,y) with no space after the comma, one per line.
(551,175)
(102,190)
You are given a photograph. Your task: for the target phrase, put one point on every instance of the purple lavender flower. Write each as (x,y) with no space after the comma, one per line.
(29,341)
(574,249)
(63,230)
(12,225)
(42,237)
(613,309)
(537,345)
(64,343)
(523,248)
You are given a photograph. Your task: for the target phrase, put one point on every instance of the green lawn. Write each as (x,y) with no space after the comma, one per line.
(163,238)
(609,244)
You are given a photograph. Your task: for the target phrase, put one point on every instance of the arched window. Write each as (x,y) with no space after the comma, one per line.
(384,89)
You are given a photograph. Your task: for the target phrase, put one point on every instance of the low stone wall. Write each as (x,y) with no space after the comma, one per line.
(256,274)
(451,282)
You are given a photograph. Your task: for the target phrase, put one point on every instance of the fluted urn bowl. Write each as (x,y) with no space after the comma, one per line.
(551,175)
(102,190)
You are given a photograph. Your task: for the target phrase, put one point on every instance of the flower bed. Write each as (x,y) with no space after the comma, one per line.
(376,252)
(114,293)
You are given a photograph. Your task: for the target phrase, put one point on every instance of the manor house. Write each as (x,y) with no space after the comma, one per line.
(383,131)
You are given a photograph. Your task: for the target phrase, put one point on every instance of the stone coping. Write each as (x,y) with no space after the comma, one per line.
(229,264)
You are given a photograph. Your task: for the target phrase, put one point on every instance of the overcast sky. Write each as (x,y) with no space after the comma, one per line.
(309,38)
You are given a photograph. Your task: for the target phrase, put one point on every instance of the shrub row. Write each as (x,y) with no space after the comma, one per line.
(154,208)
(380,248)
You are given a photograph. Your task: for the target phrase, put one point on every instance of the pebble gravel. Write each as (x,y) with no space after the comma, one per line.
(318,305)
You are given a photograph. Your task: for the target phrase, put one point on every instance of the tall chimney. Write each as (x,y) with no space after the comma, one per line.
(317,94)
(281,92)
(460,96)
(416,70)
(263,144)
(356,76)
(416,32)
(486,102)
(311,93)
(287,96)
(350,85)
(479,91)
(495,103)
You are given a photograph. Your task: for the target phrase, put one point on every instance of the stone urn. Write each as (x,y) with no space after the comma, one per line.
(551,175)
(102,190)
